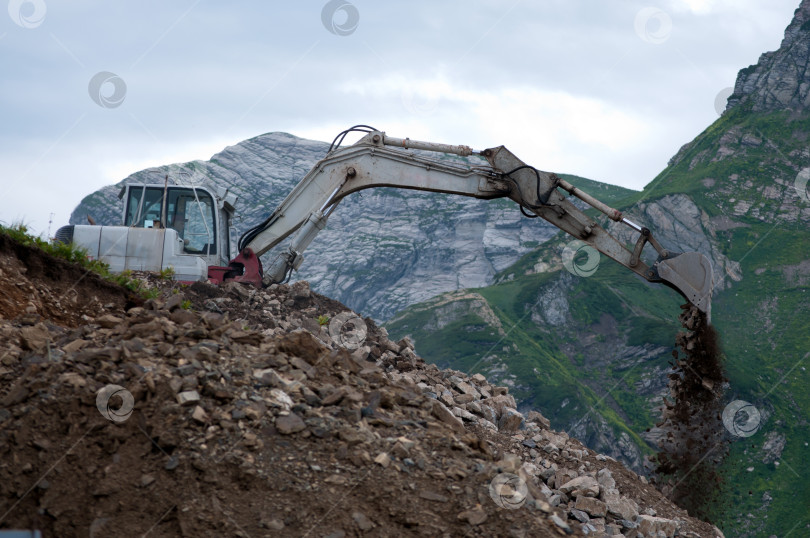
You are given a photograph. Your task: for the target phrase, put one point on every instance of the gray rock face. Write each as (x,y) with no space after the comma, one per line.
(374,255)
(552,304)
(780,80)
(680,225)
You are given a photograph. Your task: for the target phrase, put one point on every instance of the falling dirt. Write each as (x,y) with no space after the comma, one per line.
(694,442)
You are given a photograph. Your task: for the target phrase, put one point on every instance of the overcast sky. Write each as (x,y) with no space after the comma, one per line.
(92,91)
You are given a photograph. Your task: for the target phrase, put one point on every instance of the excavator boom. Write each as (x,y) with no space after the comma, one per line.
(378,160)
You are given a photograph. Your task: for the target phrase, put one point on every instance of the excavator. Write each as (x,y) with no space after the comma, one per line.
(189,228)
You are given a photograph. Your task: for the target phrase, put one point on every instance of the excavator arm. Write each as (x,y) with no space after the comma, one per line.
(378,160)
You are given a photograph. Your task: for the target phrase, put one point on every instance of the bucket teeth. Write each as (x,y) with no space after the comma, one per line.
(691,274)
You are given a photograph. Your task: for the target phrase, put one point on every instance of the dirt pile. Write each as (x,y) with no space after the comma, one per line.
(695,441)
(239,412)
(43,286)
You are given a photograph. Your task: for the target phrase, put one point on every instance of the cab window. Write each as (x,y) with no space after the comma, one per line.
(193,217)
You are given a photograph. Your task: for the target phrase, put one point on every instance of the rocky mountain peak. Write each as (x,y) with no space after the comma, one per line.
(780,80)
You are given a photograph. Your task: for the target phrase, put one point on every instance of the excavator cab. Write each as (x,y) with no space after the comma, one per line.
(202,224)
(185,228)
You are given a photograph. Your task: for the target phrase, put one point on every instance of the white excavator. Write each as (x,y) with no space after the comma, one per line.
(190,229)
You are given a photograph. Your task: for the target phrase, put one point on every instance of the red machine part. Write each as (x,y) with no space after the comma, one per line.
(245,268)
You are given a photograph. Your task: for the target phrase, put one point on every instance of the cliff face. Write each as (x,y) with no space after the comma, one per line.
(780,80)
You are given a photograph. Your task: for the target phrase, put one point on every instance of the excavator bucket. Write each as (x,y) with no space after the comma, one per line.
(691,274)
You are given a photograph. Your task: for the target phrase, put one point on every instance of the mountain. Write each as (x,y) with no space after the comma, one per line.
(593,352)
(778,81)
(383,249)
(481,289)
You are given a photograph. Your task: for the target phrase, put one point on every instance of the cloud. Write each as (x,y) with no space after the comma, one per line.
(567,85)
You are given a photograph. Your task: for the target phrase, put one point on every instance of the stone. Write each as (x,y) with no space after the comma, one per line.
(362,522)
(174,302)
(510,463)
(75,345)
(406,443)
(199,415)
(605,479)
(650,525)
(304,366)
(464,414)
(623,508)
(289,424)
(510,420)
(446,397)
(108,321)
(579,515)
(557,520)
(432,496)
(489,413)
(188,397)
(598,525)
(74,379)
(594,507)
(539,419)
(608,495)
(461,399)
(445,415)
(273,524)
(383,459)
(487,424)
(335,396)
(466,388)
(361,354)
(474,517)
(34,338)
(587,485)
(279,398)
(499,402)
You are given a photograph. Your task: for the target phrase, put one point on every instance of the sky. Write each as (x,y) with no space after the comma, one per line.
(92,91)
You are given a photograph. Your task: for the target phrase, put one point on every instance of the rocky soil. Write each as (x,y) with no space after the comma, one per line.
(233,411)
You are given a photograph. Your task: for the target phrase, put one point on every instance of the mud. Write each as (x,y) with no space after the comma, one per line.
(694,444)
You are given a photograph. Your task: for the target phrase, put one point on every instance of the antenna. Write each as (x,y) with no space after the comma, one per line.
(50,221)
